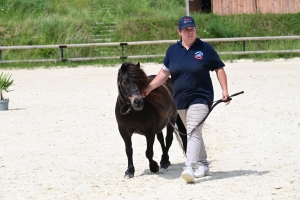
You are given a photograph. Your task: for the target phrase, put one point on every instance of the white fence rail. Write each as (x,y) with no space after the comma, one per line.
(123,44)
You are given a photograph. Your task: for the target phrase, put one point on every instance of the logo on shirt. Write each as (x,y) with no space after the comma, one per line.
(199,55)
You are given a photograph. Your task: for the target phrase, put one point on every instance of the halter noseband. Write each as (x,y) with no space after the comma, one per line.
(126,97)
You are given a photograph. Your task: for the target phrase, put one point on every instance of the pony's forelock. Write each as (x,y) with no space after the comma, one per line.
(137,75)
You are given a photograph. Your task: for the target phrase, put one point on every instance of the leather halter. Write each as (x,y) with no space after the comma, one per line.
(126,97)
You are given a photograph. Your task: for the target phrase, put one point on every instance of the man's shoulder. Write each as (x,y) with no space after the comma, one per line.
(201,42)
(174,47)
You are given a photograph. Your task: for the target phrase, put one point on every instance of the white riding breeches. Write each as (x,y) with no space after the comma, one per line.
(195,145)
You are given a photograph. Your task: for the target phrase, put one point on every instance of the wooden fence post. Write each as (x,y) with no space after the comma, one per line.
(123,44)
(61,47)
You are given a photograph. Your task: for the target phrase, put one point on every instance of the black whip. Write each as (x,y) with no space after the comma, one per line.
(214,105)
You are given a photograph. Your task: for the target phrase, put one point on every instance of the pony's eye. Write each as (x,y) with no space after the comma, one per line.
(125,83)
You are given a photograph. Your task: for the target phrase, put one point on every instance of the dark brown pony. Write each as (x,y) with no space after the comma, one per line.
(147,117)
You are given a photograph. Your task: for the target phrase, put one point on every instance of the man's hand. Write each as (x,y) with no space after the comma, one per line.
(225,96)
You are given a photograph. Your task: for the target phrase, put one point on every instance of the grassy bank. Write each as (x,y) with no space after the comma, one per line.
(39,22)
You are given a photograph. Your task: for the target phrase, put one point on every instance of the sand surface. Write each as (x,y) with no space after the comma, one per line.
(59,139)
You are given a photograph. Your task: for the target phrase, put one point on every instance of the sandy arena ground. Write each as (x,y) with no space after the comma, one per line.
(59,139)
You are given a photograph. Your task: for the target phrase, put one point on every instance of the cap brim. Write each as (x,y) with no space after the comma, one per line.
(187,25)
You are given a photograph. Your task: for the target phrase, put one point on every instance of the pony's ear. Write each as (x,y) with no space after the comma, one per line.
(138,65)
(123,67)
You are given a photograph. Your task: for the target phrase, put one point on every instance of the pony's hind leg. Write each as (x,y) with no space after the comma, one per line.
(165,162)
(149,153)
(182,135)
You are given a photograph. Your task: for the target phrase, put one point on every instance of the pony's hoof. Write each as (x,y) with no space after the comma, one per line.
(154,168)
(165,165)
(128,176)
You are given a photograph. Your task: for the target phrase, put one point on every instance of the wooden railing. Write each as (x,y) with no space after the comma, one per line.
(124,44)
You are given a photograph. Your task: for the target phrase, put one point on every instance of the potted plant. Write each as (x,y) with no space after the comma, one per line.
(5,83)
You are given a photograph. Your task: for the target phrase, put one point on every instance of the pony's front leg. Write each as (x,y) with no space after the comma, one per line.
(129,151)
(149,153)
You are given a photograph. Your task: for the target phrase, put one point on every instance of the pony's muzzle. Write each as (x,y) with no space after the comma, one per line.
(137,103)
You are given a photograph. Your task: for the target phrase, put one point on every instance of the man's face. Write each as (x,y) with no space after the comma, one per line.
(188,34)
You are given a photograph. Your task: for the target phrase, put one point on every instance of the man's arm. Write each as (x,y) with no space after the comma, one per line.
(159,79)
(221,74)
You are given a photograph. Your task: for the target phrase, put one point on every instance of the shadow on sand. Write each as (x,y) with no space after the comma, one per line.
(175,170)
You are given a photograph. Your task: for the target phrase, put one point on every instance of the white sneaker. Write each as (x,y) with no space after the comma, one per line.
(202,170)
(188,175)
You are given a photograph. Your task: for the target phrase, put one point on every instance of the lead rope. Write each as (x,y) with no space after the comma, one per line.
(201,122)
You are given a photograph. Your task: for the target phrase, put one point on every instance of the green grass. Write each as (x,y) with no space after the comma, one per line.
(39,22)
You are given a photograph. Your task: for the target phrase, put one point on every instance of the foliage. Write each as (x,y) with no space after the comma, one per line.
(39,22)
(5,83)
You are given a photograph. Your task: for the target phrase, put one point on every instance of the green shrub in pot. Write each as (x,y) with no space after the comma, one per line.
(5,82)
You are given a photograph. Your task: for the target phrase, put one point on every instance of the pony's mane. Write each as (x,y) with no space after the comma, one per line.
(139,77)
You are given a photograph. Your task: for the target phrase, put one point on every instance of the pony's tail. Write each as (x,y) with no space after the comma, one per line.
(181,134)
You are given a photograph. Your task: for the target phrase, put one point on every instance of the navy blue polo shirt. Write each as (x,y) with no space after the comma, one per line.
(190,72)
